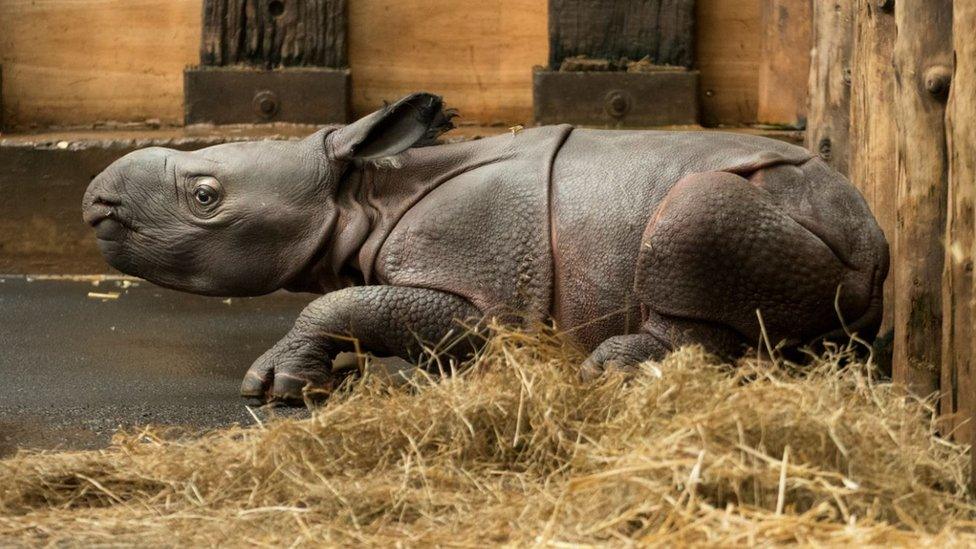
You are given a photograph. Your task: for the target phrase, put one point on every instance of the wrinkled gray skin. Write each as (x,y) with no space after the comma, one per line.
(636,242)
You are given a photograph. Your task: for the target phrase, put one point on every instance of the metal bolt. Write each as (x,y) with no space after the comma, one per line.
(937,81)
(617,103)
(266,104)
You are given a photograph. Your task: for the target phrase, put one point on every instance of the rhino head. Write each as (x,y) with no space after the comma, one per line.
(247,218)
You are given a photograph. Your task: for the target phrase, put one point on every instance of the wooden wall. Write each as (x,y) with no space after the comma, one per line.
(478,54)
(70,62)
(784,69)
(728,56)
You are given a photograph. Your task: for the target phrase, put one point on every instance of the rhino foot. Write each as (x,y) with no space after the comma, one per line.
(659,335)
(287,374)
(622,353)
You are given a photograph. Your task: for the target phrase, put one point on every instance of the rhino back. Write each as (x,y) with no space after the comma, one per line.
(606,185)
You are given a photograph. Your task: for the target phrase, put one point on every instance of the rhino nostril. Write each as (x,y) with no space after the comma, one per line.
(106,201)
(96,213)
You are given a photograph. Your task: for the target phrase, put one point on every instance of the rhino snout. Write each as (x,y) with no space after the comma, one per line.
(97,206)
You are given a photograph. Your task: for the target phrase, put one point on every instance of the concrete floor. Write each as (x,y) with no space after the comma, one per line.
(73,367)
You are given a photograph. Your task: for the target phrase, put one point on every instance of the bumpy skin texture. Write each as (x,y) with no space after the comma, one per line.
(388,320)
(633,242)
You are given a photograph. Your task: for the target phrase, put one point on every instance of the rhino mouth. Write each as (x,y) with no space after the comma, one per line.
(110,230)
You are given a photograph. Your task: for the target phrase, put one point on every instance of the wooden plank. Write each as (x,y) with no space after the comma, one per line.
(234,95)
(478,55)
(784,68)
(922,57)
(959,309)
(616,99)
(873,132)
(829,111)
(663,30)
(727,48)
(123,60)
(68,62)
(274,33)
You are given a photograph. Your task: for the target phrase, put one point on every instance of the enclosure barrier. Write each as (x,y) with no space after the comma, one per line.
(905,131)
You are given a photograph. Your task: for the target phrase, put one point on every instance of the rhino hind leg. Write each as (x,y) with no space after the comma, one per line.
(622,353)
(720,248)
(658,336)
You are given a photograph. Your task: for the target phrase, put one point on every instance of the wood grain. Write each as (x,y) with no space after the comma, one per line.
(873,132)
(784,67)
(663,30)
(479,55)
(829,111)
(923,48)
(68,62)
(250,32)
(959,309)
(727,49)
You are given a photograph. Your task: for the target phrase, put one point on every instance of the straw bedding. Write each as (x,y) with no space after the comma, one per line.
(516,450)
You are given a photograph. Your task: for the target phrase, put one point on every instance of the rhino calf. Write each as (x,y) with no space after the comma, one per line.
(636,242)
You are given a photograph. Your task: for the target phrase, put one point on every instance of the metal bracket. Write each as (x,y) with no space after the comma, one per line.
(236,95)
(616,99)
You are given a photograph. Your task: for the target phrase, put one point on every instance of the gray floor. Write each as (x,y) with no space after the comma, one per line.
(73,367)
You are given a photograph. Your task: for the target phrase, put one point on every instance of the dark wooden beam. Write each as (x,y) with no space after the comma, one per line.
(274,33)
(612,29)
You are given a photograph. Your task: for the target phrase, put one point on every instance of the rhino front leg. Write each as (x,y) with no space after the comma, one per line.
(384,320)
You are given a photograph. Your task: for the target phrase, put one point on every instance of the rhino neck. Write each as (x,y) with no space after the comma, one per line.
(370,200)
(348,223)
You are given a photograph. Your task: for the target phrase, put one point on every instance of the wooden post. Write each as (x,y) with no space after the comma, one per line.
(662,30)
(270,61)
(829,111)
(784,69)
(959,334)
(274,33)
(635,66)
(922,60)
(872,132)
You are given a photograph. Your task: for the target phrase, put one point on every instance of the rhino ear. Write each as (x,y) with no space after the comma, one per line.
(392,129)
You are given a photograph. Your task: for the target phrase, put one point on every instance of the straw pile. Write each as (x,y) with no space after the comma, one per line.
(517,450)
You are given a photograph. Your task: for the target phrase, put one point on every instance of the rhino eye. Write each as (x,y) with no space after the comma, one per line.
(204,197)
